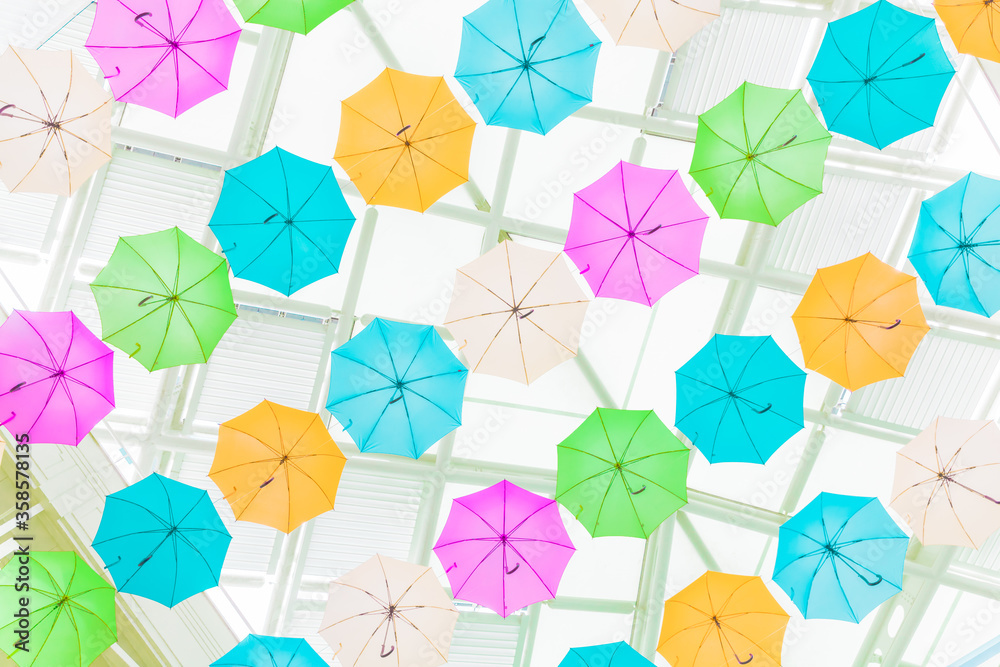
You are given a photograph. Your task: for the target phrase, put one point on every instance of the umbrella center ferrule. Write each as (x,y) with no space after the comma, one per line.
(868,80)
(173,43)
(751,156)
(63,600)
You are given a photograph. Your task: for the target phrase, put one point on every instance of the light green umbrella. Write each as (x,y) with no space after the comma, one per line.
(759,154)
(71,611)
(299,16)
(164,299)
(622,472)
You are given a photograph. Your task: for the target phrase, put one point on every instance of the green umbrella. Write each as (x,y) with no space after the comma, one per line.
(622,472)
(164,299)
(759,154)
(70,613)
(299,16)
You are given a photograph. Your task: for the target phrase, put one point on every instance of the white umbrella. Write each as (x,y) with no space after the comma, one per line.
(656,24)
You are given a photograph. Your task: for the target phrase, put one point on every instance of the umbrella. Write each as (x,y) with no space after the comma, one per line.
(956,245)
(947,483)
(622,472)
(636,233)
(859,322)
(759,154)
(294,15)
(166,55)
(282,221)
(264,651)
(722,619)
(71,616)
(504,548)
(404,140)
(55,122)
(277,466)
(164,299)
(970,25)
(527,64)
(740,398)
(396,388)
(517,311)
(59,375)
(840,557)
(655,24)
(387,607)
(880,74)
(618,654)
(161,539)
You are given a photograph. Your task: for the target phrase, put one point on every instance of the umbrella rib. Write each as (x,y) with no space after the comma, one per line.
(585,480)
(500,298)
(230,174)
(142,507)
(281,230)
(485,522)
(736,407)
(530,567)
(554,339)
(657,251)
(628,445)
(655,198)
(581,451)
(428,156)
(458,590)
(638,270)
(500,48)
(610,266)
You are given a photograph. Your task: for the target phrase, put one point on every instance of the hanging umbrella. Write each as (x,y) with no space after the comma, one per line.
(166,55)
(396,388)
(404,140)
(294,15)
(971,26)
(527,64)
(282,221)
(277,466)
(161,539)
(164,299)
(722,619)
(55,122)
(859,322)
(636,233)
(264,651)
(504,548)
(840,557)
(655,24)
(759,154)
(947,483)
(388,611)
(880,74)
(622,472)
(517,312)
(618,654)
(740,398)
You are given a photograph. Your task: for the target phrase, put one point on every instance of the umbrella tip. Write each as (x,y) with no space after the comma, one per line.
(9,419)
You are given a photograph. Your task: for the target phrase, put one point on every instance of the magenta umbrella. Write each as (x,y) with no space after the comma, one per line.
(56,375)
(635,233)
(166,55)
(504,548)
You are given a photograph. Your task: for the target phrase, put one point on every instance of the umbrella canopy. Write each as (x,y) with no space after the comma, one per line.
(166,55)
(970,25)
(840,557)
(947,483)
(618,654)
(527,64)
(880,74)
(277,466)
(517,312)
(59,375)
(396,388)
(282,221)
(759,154)
(162,539)
(655,24)
(636,233)
(404,140)
(264,651)
(740,398)
(387,607)
(956,245)
(294,15)
(55,122)
(71,618)
(859,322)
(504,548)
(164,299)
(622,472)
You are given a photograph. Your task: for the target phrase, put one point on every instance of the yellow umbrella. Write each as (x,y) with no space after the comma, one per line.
(405,140)
(970,25)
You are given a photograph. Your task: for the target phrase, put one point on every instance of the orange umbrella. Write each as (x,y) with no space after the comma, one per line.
(405,140)
(859,322)
(277,466)
(723,620)
(970,25)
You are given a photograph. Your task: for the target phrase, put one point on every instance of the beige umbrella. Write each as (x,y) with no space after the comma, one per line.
(517,312)
(947,484)
(655,24)
(55,122)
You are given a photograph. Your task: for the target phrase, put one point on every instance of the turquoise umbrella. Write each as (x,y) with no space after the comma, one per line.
(264,651)
(618,654)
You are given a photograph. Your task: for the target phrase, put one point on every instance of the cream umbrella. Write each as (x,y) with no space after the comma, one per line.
(655,24)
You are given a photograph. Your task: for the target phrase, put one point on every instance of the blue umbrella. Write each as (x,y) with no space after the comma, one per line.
(527,64)
(618,654)
(840,557)
(880,74)
(162,539)
(282,221)
(396,388)
(956,246)
(264,651)
(739,398)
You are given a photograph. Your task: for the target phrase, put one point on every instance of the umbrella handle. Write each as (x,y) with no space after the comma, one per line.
(583,271)
(403,130)
(743,662)
(348,424)
(462,346)
(115,563)
(111,76)
(17,386)
(451,567)
(760,412)
(144,301)
(144,560)
(5,421)
(915,59)
(652,230)
(794,136)
(397,399)
(513,570)
(226,251)
(893,326)
(139,16)
(9,106)
(383,654)
(269,218)
(266,483)
(524,315)
(635,493)
(871,583)
(137,348)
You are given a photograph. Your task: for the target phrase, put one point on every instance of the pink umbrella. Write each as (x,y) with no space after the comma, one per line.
(59,375)
(636,233)
(166,55)
(504,548)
